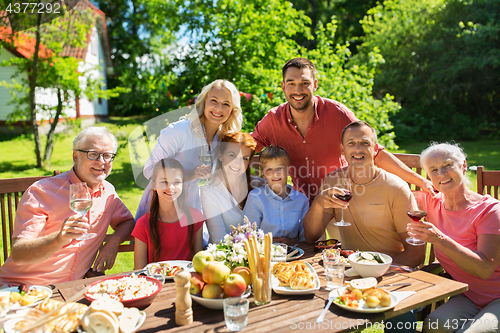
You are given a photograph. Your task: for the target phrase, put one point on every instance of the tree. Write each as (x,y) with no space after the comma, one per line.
(50,72)
(141,35)
(347,14)
(240,41)
(441,62)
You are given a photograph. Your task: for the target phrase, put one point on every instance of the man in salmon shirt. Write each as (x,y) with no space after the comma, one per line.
(309,128)
(45,249)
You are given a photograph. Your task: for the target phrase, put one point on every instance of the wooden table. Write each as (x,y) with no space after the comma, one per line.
(287,313)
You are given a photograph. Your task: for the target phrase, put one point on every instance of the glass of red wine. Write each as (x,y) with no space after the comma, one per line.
(417,210)
(345,184)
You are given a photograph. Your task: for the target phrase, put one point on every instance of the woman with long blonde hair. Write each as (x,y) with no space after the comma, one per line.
(217,113)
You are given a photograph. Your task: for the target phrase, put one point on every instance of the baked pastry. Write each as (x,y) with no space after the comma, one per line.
(67,323)
(299,266)
(301,281)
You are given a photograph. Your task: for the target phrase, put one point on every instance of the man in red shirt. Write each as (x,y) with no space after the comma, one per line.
(310,127)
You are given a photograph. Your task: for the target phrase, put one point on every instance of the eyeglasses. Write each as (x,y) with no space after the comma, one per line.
(94,156)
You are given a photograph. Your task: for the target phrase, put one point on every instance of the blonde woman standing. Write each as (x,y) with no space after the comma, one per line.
(218,112)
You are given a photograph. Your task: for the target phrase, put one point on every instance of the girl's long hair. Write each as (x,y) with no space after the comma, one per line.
(246,140)
(154,209)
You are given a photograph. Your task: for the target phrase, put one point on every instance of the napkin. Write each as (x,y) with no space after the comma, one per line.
(401,295)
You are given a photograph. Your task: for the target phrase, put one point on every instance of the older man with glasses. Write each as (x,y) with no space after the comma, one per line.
(45,249)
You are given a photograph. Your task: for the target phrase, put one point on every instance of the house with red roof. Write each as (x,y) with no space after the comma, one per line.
(96,52)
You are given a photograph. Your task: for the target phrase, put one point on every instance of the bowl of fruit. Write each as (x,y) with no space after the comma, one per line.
(213,281)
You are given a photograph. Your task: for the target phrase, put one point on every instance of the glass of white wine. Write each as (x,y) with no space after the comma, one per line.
(205,155)
(80,202)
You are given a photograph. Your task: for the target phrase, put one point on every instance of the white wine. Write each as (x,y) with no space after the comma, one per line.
(206,159)
(80,206)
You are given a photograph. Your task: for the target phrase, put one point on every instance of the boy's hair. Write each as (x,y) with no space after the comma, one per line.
(299,63)
(273,152)
(154,209)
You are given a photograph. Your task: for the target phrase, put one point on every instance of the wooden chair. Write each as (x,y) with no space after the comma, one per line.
(488,179)
(11,190)
(412,161)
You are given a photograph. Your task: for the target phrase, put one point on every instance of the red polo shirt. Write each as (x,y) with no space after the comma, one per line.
(318,153)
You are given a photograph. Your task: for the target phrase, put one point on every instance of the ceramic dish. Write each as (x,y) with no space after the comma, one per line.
(297,255)
(17,306)
(141,321)
(326,244)
(127,282)
(289,291)
(29,316)
(362,306)
(183,264)
(216,304)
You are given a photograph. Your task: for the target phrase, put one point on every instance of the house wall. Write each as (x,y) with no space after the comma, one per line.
(6,73)
(88,108)
(94,57)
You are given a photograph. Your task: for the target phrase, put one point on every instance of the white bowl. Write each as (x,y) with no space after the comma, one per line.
(216,304)
(370,270)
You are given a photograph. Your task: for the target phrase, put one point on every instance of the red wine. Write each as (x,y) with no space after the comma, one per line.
(346,197)
(417,215)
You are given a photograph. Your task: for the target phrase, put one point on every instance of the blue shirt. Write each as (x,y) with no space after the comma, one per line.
(282,217)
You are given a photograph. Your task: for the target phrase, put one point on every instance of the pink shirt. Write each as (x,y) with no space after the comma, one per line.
(42,210)
(463,227)
(315,155)
(174,236)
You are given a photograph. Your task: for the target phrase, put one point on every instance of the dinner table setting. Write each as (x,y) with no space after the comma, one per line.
(319,286)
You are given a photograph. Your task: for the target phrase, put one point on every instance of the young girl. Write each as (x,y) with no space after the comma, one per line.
(171,230)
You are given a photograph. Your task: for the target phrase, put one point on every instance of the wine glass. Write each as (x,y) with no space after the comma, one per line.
(80,202)
(417,210)
(343,183)
(205,155)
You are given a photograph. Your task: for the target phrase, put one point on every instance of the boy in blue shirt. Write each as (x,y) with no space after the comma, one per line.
(276,206)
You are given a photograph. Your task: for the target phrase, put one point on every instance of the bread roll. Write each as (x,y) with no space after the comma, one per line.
(100,322)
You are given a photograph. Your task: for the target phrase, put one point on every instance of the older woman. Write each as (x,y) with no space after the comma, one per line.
(218,112)
(465,230)
(223,197)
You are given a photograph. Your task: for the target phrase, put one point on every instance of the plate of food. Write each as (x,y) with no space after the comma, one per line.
(294,278)
(372,300)
(131,290)
(294,253)
(170,267)
(15,298)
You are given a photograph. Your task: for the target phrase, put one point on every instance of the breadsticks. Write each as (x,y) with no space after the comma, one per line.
(260,267)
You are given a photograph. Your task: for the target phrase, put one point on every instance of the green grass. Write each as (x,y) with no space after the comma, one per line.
(18,160)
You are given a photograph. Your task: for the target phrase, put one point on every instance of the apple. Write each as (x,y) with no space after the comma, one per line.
(200,259)
(212,291)
(245,273)
(235,285)
(215,272)
(197,284)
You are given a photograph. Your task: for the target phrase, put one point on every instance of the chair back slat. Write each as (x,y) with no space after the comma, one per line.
(412,161)
(11,190)
(254,163)
(488,179)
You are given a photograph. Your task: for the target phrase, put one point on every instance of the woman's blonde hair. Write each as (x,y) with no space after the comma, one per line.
(232,124)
